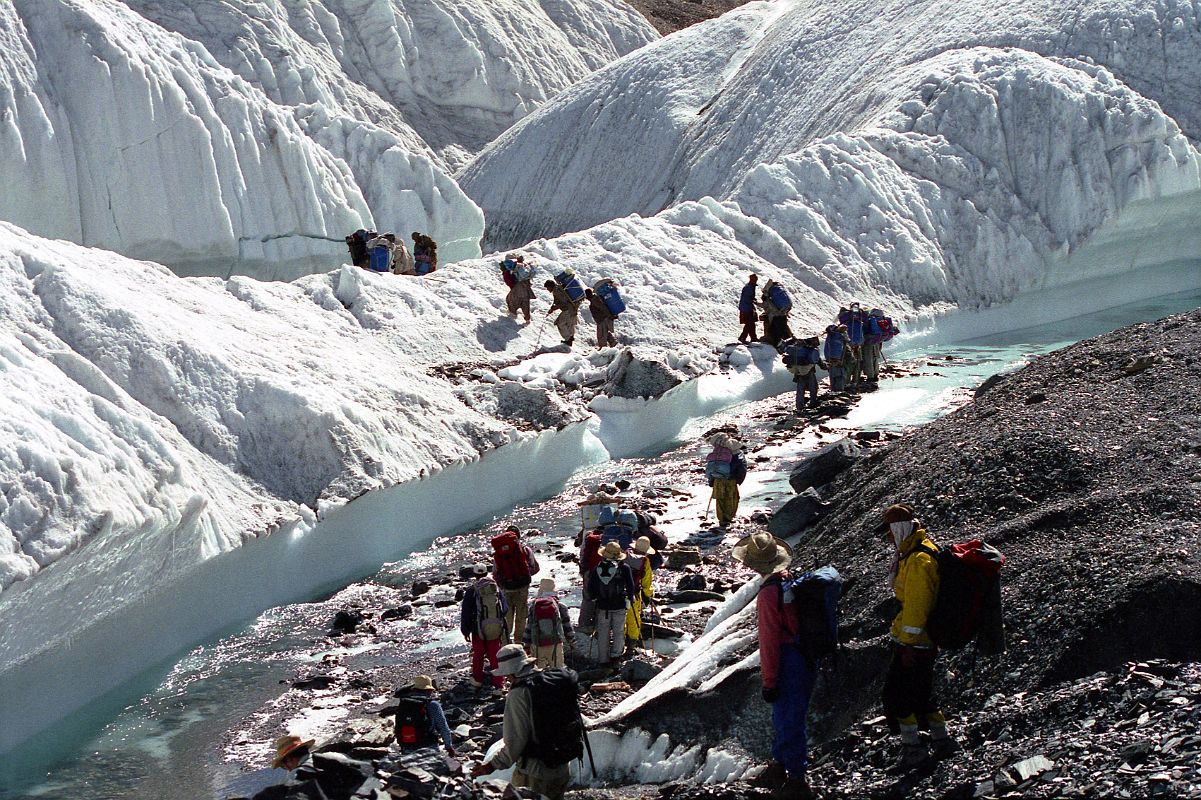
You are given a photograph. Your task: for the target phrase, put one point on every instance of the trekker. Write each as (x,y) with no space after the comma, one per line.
(425,254)
(402,259)
(548,633)
(332,776)
(589,558)
(878,329)
(788,677)
(725,469)
(483,622)
(357,244)
(748,310)
(420,721)
(802,359)
(569,311)
(612,586)
(638,559)
(542,731)
(835,351)
(909,685)
(855,321)
(603,318)
(513,567)
(775,315)
(516,274)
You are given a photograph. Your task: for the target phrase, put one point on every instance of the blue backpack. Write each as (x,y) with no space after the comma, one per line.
(779,297)
(606,290)
(813,600)
(618,532)
(608,515)
(567,280)
(738,468)
(715,470)
(523,271)
(381,258)
(835,345)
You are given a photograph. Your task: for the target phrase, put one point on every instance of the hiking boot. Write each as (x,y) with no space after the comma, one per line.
(793,789)
(474,683)
(772,776)
(944,747)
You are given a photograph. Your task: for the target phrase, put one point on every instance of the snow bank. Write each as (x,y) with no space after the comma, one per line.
(222,138)
(693,114)
(635,757)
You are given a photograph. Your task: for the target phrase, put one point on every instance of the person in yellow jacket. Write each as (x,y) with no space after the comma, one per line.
(638,558)
(909,687)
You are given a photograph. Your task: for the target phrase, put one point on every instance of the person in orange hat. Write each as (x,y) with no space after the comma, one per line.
(291,752)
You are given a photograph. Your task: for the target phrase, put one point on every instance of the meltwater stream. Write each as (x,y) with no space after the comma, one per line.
(181,737)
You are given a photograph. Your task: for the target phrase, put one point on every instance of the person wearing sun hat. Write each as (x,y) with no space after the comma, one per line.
(638,559)
(290,752)
(548,631)
(420,718)
(520,745)
(331,775)
(909,685)
(611,584)
(788,677)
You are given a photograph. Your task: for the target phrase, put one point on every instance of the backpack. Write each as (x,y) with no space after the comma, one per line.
(568,282)
(813,600)
(606,290)
(523,271)
(968,605)
(489,612)
(637,564)
(612,591)
(357,243)
(512,567)
(717,470)
(591,555)
(738,468)
(617,532)
(593,515)
(381,258)
(835,345)
(558,728)
(607,516)
(413,722)
(548,625)
(779,298)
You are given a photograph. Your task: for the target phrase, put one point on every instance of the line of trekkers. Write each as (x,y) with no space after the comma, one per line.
(604,299)
(382,252)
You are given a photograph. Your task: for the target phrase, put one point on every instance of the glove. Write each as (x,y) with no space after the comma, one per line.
(908,656)
(770,695)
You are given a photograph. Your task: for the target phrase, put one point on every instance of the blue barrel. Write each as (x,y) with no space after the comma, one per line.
(607,292)
(570,285)
(381,259)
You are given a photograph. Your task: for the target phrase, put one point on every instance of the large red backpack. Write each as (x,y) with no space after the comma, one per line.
(512,567)
(590,557)
(548,626)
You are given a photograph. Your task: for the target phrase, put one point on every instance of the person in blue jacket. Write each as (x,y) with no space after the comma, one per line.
(748,311)
(836,350)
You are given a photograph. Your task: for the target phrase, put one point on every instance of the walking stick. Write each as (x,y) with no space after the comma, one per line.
(712,494)
(541,328)
(588,747)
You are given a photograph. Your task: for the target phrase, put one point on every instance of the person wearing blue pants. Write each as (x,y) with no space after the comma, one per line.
(788,677)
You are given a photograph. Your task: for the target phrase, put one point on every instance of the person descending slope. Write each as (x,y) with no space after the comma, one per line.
(725,469)
(909,685)
(748,310)
(566,301)
(482,621)
(425,254)
(516,274)
(802,359)
(514,566)
(603,318)
(638,559)
(548,633)
(420,721)
(776,306)
(835,351)
(612,584)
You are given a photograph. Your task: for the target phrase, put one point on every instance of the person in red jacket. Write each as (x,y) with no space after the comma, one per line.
(788,677)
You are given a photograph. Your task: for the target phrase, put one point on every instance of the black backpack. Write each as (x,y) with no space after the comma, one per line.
(613,593)
(413,722)
(558,736)
(968,606)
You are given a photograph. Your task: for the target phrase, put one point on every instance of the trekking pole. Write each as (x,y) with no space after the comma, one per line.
(712,495)
(588,747)
(541,328)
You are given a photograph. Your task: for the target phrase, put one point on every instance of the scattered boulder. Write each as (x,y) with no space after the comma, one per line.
(315,683)
(346,621)
(691,581)
(797,514)
(681,556)
(637,671)
(824,465)
(399,612)
(695,596)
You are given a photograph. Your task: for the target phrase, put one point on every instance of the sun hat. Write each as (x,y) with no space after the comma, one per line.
(510,659)
(423,682)
(763,553)
(612,551)
(284,746)
(643,546)
(546,586)
(899,512)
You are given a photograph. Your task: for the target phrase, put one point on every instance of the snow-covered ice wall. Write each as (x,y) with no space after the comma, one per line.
(940,153)
(224,138)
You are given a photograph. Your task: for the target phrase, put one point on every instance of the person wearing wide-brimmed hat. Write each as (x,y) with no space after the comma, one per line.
(331,775)
(419,716)
(517,733)
(611,584)
(908,694)
(638,559)
(548,631)
(788,677)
